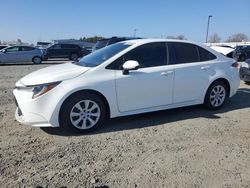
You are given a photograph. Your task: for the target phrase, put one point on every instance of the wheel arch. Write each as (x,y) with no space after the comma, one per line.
(79,92)
(225,81)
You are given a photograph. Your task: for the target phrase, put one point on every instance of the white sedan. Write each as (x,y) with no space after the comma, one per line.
(129,77)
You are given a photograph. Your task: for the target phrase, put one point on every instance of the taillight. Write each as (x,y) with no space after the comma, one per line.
(236,65)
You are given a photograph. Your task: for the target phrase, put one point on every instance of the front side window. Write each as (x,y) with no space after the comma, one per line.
(26,48)
(98,57)
(147,55)
(56,47)
(13,49)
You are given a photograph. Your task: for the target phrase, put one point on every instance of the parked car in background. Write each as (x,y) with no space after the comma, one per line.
(108,41)
(42,45)
(20,54)
(245,71)
(137,76)
(225,50)
(71,51)
(242,52)
(3,46)
(86,51)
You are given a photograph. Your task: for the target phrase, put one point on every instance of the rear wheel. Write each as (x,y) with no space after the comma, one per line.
(82,113)
(37,60)
(216,95)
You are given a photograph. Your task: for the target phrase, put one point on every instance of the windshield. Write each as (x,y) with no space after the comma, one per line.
(98,57)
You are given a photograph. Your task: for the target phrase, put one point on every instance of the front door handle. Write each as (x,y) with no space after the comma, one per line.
(167,73)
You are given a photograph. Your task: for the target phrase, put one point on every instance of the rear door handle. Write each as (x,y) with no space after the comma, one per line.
(205,67)
(167,73)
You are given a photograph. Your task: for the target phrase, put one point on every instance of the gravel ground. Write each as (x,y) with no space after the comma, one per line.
(185,147)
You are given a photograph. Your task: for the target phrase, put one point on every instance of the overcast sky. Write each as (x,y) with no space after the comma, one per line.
(44,20)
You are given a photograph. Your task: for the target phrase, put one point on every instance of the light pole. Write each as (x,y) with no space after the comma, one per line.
(134,33)
(208,21)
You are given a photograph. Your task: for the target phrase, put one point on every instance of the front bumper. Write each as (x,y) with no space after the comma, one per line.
(42,111)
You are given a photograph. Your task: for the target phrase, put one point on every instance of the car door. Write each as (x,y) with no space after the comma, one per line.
(27,53)
(54,51)
(193,68)
(149,86)
(10,55)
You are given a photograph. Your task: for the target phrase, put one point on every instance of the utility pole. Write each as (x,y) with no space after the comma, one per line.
(208,22)
(134,33)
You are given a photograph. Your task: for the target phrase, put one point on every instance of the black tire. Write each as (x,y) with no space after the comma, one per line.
(73,57)
(68,107)
(210,99)
(37,60)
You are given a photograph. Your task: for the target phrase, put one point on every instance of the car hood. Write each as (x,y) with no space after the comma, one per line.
(53,74)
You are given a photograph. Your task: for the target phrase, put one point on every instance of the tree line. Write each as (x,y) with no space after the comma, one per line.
(238,37)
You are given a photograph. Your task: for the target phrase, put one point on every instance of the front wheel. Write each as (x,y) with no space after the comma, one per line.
(216,95)
(74,57)
(37,60)
(82,113)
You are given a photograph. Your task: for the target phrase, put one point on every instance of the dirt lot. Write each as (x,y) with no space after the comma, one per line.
(186,147)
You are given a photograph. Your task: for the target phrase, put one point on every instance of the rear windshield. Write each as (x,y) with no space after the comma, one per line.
(98,57)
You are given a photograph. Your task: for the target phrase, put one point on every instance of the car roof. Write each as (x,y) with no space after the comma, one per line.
(144,41)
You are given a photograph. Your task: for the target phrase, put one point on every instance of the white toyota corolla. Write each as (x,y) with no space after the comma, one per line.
(126,78)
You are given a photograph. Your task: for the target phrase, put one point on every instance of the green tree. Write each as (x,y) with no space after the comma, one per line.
(91,39)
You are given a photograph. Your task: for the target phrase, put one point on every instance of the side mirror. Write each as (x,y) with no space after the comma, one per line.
(129,65)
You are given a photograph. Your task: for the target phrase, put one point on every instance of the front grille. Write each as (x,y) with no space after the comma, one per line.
(15,101)
(19,111)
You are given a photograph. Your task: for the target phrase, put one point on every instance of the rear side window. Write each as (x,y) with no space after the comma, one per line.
(185,53)
(205,55)
(189,53)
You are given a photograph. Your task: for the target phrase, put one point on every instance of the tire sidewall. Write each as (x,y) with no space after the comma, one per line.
(74,54)
(207,101)
(35,58)
(64,115)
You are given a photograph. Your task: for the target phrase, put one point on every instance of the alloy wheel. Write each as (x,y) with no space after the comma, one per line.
(217,96)
(85,114)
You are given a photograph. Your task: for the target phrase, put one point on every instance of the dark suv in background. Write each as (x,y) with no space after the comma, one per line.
(242,52)
(108,41)
(71,51)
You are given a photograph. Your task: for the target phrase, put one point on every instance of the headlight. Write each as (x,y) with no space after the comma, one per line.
(42,89)
(39,90)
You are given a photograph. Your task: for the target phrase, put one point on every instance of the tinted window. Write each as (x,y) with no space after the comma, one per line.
(26,48)
(13,49)
(185,53)
(148,55)
(56,46)
(205,55)
(69,46)
(98,57)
